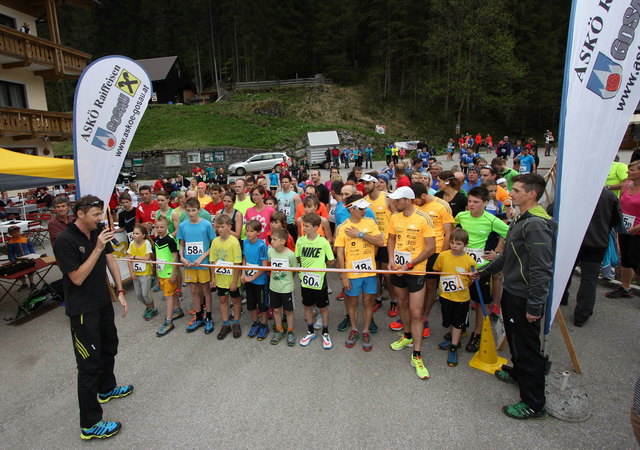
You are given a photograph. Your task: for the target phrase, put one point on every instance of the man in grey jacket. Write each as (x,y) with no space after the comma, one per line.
(527,265)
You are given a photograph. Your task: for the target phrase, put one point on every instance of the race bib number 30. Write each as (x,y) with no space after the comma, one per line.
(194,248)
(451,283)
(400,258)
(311,280)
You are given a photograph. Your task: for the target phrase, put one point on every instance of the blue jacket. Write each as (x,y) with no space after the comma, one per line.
(19,247)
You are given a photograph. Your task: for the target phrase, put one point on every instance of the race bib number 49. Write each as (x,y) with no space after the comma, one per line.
(194,248)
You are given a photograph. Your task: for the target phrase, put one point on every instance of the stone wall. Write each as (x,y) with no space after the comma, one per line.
(171,162)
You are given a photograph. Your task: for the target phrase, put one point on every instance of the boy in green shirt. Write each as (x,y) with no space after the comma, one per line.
(281,285)
(314,251)
(166,250)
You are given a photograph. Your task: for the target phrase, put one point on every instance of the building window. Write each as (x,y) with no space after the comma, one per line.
(8,21)
(12,95)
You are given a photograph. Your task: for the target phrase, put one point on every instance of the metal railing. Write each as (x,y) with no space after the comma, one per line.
(33,122)
(280,83)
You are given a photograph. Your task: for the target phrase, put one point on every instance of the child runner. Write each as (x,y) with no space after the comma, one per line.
(454,291)
(314,251)
(281,285)
(260,212)
(273,180)
(140,250)
(195,237)
(279,222)
(225,250)
(167,251)
(255,281)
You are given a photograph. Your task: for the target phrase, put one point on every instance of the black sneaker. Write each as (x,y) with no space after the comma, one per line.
(345,324)
(619,293)
(504,375)
(474,343)
(522,411)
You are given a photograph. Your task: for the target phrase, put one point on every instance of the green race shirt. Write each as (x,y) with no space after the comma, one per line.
(314,254)
(479,229)
(171,226)
(281,282)
(165,248)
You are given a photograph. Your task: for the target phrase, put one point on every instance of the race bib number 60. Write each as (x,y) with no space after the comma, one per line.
(312,280)
(194,248)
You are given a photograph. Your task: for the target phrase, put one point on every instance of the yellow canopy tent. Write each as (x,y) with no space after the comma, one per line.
(19,171)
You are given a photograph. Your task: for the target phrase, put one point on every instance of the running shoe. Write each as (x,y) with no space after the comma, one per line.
(224,331)
(306,340)
(452,359)
(421,370)
(177,313)
(270,314)
(474,343)
(351,339)
(116,392)
(236,331)
(619,293)
(397,325)
(401,343)
(345,324)
(165,328)
(444,345)
(100,430)
(326,341)
(340,296)
(253,331)
(367,345)
(504,375)
(317,324)
(426,330)
(152,313)
(495,310)
(474,305)
(329,290)
(263,332)
(377,304)
(208,326)
(24,287)
(522,411)
(195,324)
(277,337)
(373,328)
(145,314)
(180,296)
(447,336)
(291,338)
(393,309)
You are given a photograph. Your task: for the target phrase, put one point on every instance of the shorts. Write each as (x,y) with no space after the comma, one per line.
(382,256)
(485,288)
(629,251)
(223,292)
(430,262)
(280,300)
(168,288)
(368,285)
(315,297)
(256,297)
(413,282)
(454,314)
(197,275)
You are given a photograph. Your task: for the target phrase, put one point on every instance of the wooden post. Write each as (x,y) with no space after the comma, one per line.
(567,341)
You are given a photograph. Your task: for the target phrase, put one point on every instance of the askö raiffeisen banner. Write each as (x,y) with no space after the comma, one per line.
(112,95)
(601,91)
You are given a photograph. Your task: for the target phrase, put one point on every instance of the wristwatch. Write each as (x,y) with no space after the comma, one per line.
(361,235)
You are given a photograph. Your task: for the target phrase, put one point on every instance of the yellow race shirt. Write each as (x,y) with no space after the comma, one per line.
(439,215)
(358,253)
(383,215)
(225,252)
(444,203)
(141,267)
(454,287)
(410,232)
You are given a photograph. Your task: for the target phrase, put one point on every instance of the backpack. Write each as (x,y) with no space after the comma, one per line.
(16,266)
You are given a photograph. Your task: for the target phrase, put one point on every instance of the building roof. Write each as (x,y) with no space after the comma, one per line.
(37,8)
(158,68)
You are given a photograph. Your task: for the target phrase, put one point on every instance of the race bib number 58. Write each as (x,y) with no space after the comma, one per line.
(194,248)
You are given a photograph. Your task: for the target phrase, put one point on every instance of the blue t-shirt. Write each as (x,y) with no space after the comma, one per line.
(273,179)
(467,187)
(526,163)
(256,254)
(342,213)
(368,151)
(197,239)
(424,156)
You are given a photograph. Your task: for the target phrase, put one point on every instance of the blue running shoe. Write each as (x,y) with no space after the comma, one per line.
(156,288)
(345,324)
(373,328)
(208,326)
(255,327)
(264,331)
(193,326)
(101,430)
(116,392)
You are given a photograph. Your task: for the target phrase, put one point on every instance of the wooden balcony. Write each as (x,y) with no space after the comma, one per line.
(45,58)
(22,123)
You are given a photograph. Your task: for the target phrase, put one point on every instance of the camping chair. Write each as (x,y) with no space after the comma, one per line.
(37,233)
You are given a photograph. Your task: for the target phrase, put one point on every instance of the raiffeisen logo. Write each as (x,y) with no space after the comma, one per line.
(104,139)
(605,78)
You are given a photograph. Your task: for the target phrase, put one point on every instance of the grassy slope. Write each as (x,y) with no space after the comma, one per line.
(234,123)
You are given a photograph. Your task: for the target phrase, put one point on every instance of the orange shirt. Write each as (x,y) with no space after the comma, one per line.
(322,211)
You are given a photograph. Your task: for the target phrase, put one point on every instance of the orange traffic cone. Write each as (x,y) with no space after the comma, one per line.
(487,359)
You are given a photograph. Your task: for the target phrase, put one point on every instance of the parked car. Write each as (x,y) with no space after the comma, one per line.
(261,161)
(126,175)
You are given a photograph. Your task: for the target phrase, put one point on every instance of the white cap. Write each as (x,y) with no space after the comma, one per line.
(402,192)
(361,203)
(366,177)
(501,180)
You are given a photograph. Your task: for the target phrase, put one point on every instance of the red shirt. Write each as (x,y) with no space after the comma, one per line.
(283,166)
(403,181)
(147,212)
(213,208)
(158,186)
